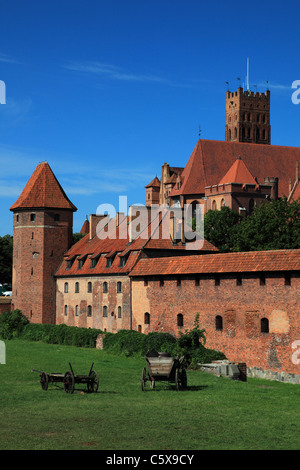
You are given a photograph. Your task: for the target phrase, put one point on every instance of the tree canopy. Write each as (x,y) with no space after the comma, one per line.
(272,226)
(6,251)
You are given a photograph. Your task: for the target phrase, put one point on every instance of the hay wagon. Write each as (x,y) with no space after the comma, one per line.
(69,379)
(163,367)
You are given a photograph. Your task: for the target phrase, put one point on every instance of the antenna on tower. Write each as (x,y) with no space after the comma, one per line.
(247,81)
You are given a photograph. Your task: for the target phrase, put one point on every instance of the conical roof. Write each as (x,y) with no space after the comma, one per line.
(43,191)
(238,173)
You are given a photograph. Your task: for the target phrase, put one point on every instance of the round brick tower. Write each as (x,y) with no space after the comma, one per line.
(43,223)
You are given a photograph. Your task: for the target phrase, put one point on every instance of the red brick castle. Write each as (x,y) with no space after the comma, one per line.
(248,303)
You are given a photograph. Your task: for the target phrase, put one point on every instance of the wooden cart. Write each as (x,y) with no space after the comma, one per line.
(69,379)
(163,367)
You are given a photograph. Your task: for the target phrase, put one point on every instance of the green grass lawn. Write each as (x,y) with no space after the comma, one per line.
(213,413)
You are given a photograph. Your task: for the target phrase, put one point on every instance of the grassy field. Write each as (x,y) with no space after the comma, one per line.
(213,413)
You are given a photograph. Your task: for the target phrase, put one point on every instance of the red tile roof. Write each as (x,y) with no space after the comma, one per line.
(238,173)
(211,159)
(154,183)
(117,244)
(43,191)
(86,227)
(255,261)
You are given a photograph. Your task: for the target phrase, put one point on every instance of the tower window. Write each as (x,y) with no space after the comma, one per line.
(105,288)
(89,312)
(89,287)
(32,217)
(105,311)
(66,288)
(76,287)
(56,217)
(66,310)
(119,287)
(147,318)
(76,310)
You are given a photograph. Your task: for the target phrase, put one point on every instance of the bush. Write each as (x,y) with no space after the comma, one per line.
(127,342)
(62,334)
(12,324)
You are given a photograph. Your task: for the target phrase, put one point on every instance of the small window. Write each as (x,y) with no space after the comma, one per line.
(76,310)
(139,328)
(180,320)
(147,318)
(287,280)
(105,311)
(76,287)
(105,287)
(219,323)
(119,312)
(119,287)
(264,325)
(66,288)
(262,280)
(146,282)
(56,217)
(17,218)
(197,282)
(238,281)
(217,281)
(66,310)
(89,287)
(161,282)
(32,217)
(178,282)
(89,311)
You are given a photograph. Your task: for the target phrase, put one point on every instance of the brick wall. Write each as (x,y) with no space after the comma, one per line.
(39,245)
(72,308)
(242,302)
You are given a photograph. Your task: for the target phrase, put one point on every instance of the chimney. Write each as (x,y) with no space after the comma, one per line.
(94,220)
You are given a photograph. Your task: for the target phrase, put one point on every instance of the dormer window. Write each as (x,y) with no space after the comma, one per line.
(70,262)
(94,261)
(81,262)
(110,259)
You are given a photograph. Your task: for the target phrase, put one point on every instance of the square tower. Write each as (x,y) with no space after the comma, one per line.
(248,117)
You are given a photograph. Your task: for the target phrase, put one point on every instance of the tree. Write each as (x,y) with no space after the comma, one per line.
(220,227)
(6,252)
(272,226)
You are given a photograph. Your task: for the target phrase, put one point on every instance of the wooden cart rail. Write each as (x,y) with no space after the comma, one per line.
(69,379)
(163,367)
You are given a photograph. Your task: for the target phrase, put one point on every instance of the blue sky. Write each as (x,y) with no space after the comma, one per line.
(107,91)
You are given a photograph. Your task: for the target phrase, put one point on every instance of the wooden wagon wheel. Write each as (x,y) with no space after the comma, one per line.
(183,378)
(69,382)
(143,379)
(177,380)
(93,383)
(44,381)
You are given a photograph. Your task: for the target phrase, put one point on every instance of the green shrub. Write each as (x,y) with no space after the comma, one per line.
(12,324)
(127,342)
(62,334)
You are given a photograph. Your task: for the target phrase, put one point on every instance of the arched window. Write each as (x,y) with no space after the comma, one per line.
(89,311)
(66,288)
(105,311)
(119,287)
(76,311)
(119,312)
(214,205)
(147,318)
(264,325)
(223,202)
(105,288)
(66,310)
(179,319)
(89,287)
(219,323)
(76,287)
